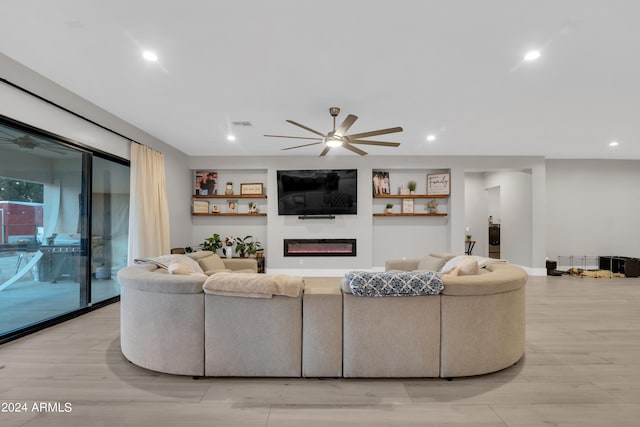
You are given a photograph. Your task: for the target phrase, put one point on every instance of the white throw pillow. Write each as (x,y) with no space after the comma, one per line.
(178,268)
(468,267)
(182,259)
(453,263)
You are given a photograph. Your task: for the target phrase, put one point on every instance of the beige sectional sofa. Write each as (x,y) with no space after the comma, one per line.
(476,325)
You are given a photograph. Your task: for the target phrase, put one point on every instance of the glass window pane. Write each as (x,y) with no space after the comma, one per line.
(109,226)
(42,258)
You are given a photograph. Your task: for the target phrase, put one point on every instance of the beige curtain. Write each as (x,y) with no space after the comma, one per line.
(148,205)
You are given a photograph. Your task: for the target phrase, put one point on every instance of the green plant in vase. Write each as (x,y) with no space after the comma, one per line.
(389,208)
(412,186)
(212,244)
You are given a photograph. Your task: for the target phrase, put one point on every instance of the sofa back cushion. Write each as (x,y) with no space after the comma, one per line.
(212,263)
(431,263)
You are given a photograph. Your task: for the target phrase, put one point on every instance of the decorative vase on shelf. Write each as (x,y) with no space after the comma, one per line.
(228,251)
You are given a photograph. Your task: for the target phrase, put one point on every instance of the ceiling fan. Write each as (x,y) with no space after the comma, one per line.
(337,137)
(27,143)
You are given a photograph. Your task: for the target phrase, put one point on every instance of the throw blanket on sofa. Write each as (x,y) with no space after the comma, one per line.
(386,284)
(253,285)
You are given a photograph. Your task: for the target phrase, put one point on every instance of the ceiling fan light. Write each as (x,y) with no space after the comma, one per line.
(334,142)
(532,55)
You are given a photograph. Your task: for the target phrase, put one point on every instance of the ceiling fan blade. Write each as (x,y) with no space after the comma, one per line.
(300,146)
(383,143)
(346,124)
(305,127)
(325,151)
(295,137)
(354,149)
(375,132)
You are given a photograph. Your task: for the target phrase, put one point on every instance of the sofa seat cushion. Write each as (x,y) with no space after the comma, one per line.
(385,284)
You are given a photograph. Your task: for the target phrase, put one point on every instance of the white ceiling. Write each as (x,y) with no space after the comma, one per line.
(449,67)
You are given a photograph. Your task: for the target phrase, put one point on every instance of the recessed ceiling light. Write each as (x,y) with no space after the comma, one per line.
(532,55)
(614,144)
(231,137)
(431,137)
(149,56)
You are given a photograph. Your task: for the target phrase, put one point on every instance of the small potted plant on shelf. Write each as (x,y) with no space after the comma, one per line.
(389,208)
(229,189)
(212,244)
(247,246)
(412,187)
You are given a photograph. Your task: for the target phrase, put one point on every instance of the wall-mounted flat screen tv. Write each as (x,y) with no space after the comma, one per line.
(318,192)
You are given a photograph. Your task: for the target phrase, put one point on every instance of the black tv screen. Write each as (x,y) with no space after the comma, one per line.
(318,192)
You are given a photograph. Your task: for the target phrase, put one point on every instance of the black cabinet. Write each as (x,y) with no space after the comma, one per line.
(494,241)
(613,263)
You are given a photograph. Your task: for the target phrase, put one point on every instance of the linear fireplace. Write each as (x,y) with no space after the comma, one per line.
(319,247)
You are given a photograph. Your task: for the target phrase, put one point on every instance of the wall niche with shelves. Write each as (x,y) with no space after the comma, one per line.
(229,193)
(391,187)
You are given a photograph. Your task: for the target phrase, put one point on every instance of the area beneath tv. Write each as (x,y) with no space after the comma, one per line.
(319,247)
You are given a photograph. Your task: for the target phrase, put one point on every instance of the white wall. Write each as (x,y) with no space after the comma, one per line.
(476,211)
(593,208)
(507,196)
(515,215)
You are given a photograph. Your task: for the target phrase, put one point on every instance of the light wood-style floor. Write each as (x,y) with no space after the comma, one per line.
(582,368)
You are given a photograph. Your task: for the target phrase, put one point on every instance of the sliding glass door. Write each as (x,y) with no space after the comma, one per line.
(63,218)
(109,226)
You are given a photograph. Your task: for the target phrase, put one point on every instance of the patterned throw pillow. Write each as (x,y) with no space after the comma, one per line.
(382,284)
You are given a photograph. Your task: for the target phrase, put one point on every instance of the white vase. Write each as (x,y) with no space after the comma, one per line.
(228,251)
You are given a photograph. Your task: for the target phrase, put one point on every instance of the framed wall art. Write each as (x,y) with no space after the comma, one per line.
(232,206)
(438,184)
(200,206)
(206,183)
(253,188)
(407,206)
(381,182)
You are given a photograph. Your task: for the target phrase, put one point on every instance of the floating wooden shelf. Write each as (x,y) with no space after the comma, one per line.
(409,196)
(228,214)
(409,214)
(230,196)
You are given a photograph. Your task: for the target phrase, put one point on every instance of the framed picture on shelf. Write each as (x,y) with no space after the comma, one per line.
(407,206)
(381,182)
(206,183)
(215,208)
(438,184)
(200,206)
(253,188)
(232,206)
